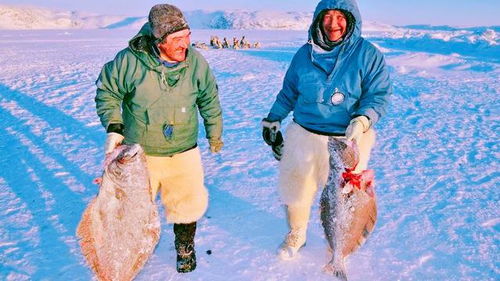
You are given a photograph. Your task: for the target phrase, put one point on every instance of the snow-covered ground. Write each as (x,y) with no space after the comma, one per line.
(436,161)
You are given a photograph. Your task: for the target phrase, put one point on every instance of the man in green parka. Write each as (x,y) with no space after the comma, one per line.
(151,94)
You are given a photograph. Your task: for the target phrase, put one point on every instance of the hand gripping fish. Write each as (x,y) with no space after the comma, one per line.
(348,205)
(120,227)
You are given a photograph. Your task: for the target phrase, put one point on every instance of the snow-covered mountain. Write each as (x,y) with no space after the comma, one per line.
(22,17)
(249,19)
(25,17)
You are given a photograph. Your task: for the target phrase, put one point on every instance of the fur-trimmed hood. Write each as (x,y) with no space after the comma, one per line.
(345,5)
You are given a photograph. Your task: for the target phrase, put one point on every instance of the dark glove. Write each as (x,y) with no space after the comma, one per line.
(278,146)
(272,136)
(270,130)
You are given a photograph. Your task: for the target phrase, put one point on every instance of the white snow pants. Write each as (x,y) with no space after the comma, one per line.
(180,181)
(304,167)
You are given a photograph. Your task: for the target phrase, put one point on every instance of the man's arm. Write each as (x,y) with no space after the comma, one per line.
(209,105)
(109,95)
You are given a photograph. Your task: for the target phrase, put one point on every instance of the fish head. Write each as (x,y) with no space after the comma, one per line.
(130,160)
(130,153)
(346,150)
(350,154)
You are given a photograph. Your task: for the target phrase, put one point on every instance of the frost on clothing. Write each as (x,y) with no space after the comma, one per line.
(138,91)
(359,72)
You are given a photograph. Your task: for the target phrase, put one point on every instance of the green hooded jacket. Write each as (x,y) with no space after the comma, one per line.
(137,90)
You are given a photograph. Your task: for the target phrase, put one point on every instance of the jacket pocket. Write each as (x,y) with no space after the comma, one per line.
(160,115)
(170,126)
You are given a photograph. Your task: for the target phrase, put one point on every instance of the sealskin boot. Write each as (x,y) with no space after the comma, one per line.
(184,245)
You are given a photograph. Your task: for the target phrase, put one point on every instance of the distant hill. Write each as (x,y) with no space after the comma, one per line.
(30,17)
(26,17)
(23,17)
(249,20)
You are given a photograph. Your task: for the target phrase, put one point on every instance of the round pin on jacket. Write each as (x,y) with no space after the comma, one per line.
(337,97)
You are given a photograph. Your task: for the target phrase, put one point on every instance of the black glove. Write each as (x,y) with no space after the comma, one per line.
(272,136)
(270,130)
(278,146)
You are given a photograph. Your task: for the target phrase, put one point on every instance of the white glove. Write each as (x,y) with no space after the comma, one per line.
(112,141)
(356,128)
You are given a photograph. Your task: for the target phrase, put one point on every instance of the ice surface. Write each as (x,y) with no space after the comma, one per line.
(436,161)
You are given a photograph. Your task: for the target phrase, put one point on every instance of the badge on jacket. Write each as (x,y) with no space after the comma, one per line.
(337,97)
(168,131)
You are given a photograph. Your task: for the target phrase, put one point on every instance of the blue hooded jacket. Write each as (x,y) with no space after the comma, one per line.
(355,68)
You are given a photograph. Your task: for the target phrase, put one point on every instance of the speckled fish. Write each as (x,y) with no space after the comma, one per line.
(120,227)
(348,205)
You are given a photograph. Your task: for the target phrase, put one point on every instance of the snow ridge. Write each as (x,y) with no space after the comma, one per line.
(28,17)
(25,17)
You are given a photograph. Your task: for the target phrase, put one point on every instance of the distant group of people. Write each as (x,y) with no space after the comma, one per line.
(236,44)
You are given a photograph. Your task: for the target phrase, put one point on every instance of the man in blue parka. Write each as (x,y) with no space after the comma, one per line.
(337,85)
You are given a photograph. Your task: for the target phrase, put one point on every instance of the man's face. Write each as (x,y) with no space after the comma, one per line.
(334,24)
(173,47)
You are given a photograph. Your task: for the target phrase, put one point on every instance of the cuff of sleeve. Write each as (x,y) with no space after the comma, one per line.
(371,114)
(271,117)
(272,125)
(363,120)
(115,128)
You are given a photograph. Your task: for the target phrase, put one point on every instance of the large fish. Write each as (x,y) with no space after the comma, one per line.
(348,205)
(120,227)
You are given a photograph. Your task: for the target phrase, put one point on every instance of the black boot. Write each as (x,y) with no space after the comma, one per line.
(184,245)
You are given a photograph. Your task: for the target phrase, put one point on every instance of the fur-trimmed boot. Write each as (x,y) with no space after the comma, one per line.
(297,217)
(184,245)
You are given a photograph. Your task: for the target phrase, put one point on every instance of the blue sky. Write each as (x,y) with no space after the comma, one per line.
(399,12)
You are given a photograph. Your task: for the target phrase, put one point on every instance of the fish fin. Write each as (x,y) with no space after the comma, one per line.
(87,245)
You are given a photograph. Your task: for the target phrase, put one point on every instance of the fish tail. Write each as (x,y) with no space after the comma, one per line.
(336,269)
(340,274)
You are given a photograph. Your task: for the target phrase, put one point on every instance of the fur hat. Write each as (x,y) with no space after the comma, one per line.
(166,19)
